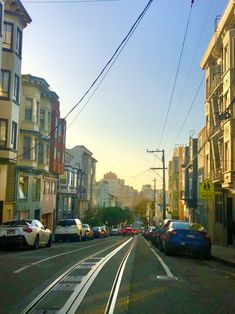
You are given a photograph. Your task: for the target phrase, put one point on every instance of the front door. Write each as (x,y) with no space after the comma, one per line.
(1,211)
(229,220)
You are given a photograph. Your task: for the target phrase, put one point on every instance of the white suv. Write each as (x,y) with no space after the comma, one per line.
(69,229)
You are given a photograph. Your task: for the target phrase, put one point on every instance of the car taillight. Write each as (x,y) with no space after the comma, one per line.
(172,232)
(28,230)
(207,237)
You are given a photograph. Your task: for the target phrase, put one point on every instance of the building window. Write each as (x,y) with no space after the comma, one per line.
(49,120)
(226,156)
(27,147)
(5,80)
(63,178)
(18,42)
(226,60)
(14,134)
(16,89)
(35,149)
(42,119)
(58,156)
(28,109)
(1,18)
(46,187)
(3,132)
(23,187)
(47,153)
(53,187)
(36,118)
(7,39)
(36,189)
(41,153)
(218,208)
(54,157)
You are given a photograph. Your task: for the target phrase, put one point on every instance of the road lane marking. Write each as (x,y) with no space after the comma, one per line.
(166,268)
(55,256)
(117,282)
(20,269)
(57,281)
(74,301)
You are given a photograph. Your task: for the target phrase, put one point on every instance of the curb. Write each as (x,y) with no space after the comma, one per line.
(223,261)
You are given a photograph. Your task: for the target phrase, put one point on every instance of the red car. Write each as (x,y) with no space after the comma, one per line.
(129,231)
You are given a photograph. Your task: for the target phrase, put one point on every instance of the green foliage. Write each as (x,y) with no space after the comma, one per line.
(111,216)
(140,207)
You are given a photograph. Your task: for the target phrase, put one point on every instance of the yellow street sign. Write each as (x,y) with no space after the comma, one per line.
(206,190)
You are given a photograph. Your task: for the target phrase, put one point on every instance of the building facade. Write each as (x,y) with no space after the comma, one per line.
(36,179)
(219,65)
(13,19)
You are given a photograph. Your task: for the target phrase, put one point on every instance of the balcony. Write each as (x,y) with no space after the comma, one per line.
(214,84)
(216,175)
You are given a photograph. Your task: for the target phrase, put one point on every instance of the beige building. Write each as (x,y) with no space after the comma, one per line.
(219,65)
(35,185)
(176,204)
(14,18)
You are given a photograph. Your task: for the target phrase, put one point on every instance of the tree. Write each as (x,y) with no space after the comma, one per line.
(92,217)
(128,215)
(140,207)
(112,215)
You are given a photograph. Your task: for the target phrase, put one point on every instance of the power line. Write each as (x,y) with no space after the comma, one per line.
(194,56)
(107,65)
(176,76)
(190,108)
(67,1)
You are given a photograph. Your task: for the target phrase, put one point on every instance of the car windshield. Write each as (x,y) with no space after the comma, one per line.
(96,228)
(66,223)
(85,226)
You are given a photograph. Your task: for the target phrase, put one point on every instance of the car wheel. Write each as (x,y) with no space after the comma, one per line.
(36,243)
(49,241)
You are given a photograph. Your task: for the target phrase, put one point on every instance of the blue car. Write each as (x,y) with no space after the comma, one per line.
(185,237)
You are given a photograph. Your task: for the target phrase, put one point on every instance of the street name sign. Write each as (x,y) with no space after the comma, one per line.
(206,190)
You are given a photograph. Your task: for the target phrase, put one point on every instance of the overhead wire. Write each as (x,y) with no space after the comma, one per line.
(194,56)
(66,1)
(107,65)
(176,76)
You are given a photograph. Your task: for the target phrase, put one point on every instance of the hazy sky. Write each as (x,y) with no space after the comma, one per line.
(69,43)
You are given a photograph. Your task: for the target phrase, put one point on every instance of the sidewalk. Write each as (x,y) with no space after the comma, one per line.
(223,254)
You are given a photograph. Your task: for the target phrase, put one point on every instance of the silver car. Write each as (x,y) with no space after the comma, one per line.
(25,232)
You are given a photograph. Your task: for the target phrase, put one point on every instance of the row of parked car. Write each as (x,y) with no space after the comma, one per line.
(174,236)
(32,233)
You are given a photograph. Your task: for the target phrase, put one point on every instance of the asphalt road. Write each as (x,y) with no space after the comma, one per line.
(113,275)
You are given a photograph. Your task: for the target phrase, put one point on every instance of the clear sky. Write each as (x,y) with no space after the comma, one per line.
(69,43)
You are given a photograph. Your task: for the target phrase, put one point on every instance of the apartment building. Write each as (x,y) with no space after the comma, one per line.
(37,170)
(176,206)
(13,20)
(69,189)
(219,65)
(84,160)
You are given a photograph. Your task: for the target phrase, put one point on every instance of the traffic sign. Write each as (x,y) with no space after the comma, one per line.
(206,190)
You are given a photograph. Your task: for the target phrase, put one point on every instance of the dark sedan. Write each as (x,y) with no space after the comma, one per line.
(185,237)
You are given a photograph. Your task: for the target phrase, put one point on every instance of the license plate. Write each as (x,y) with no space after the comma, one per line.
(10,231)
(182,243)
(191,236)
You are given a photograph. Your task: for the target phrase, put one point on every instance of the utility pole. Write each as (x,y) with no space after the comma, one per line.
(163,177)
(154,196)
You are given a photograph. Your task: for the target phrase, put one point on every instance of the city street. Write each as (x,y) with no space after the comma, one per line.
(116,274)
